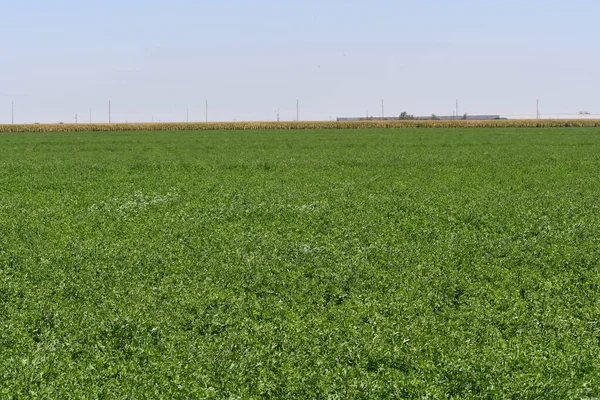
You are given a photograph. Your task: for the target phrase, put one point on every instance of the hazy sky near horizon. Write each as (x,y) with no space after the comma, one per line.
(339,58)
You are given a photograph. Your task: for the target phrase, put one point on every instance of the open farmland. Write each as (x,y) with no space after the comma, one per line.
(379,263)
(301,125)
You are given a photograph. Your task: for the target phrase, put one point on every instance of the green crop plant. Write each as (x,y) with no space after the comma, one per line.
(361,264)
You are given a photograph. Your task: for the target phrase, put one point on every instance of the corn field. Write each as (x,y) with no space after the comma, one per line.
(195,126)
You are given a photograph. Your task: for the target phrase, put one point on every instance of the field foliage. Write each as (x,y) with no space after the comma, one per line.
(287,125)
(380,263)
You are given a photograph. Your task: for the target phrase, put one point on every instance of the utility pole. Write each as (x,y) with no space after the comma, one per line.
(109,116)
(76,122)
(12,112)
(297,110)
(537,108)
(382,113)
(187,115)
(278,115)
(206,110)
(456,108)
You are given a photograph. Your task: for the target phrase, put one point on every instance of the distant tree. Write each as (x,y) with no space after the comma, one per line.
(434,117)
(404,115)
(465,115)
(584,113)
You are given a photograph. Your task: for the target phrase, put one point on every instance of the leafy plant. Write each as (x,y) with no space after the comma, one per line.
(375,263)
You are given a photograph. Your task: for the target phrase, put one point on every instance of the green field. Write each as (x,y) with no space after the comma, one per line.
(438,263)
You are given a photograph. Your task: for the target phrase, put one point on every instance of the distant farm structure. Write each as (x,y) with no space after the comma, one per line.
(424,118)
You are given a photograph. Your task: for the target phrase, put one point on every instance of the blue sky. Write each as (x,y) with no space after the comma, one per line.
(339,58)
